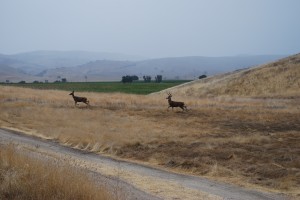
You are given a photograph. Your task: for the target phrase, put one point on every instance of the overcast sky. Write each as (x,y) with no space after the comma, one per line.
(152,28)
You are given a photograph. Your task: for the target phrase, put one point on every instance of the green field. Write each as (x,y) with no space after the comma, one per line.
(131,88)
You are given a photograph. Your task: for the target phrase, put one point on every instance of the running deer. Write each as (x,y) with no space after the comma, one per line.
(79,99)
(175,103)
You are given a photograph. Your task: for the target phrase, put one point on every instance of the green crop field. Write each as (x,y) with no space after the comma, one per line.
(131,88)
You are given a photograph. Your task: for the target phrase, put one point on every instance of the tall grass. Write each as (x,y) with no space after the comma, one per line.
(240,140)
(23,177)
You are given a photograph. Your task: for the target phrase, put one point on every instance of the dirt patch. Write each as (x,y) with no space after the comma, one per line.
(254,162)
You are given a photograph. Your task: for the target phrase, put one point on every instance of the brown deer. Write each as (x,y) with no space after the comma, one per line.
(79,99)
(175,103)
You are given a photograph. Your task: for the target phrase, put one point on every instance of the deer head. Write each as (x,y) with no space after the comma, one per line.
(169,96)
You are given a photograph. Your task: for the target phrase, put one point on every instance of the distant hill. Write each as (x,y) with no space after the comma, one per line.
(194,66)
(276,79)
(13,75)
(79,65)
(37,61)
(169,68)
(101,70)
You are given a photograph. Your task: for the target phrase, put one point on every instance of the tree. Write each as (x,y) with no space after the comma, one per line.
(158,78)
(135,78)
(147,78)
(202,76)
(127,79)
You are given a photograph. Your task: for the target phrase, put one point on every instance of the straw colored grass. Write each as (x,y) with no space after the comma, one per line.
(247,141)
(24,177)
(277,79)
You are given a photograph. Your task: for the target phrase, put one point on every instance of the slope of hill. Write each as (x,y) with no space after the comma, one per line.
(38,61)
(100,70)
(276,79)
(170,68)
(77,65)
(13,75)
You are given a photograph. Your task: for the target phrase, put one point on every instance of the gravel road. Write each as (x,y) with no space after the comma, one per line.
(136,181)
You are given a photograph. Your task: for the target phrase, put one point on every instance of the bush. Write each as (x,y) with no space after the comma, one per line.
(202,76)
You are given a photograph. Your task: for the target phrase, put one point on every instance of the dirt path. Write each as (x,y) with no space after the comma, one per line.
(136,181)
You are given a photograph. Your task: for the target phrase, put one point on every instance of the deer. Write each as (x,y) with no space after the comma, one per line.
(175,103)
(79,99)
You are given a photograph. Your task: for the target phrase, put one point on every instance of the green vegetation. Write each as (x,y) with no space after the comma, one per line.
(130,88)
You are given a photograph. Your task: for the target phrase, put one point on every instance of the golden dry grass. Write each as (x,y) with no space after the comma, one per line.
(246,141)
(23,177)
(276,79)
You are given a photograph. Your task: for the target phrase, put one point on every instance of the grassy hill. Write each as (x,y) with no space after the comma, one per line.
(276,79)
(76,66)
(184,68)
(13,74)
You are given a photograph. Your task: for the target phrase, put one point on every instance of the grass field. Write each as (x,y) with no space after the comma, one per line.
(243,128)
(130,88)
(28,178)
(246,141)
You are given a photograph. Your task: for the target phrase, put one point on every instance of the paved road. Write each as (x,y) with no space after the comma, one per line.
(137,181)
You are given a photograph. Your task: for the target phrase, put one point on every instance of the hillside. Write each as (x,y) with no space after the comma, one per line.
(170,68)
(37,61)
(78,65)
(13,75)
(276,79)
(104,70)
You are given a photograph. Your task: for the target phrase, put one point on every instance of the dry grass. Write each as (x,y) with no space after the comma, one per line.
(23,177)
(277,79)
(253,142)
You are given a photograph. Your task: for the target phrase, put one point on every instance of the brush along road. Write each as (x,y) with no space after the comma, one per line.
(134,180)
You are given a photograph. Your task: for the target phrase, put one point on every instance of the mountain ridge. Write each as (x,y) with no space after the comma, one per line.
(79,65)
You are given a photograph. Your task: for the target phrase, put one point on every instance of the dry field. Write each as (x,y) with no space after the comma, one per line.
(277,79)
(23,177)
(253,142)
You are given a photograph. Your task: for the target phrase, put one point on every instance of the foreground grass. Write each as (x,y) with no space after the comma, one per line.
(131,88)
(22,177)
(250,142)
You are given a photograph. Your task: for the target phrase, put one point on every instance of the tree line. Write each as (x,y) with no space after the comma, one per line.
(147,79)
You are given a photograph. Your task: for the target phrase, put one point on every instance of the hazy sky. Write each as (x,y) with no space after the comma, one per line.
(152,28)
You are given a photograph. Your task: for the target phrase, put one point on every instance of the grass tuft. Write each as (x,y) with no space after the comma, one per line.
(23,177)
